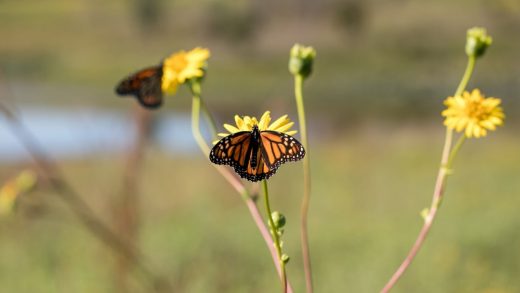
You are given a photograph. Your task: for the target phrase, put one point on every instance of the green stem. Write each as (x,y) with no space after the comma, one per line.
(276,236)
(467,75)
(195,118)
(298,85)
(209,119)
(455,150)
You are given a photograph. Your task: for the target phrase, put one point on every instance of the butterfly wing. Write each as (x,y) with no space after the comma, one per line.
(238,150)
(261,169)
(145,85)
(278,148)
(233,150)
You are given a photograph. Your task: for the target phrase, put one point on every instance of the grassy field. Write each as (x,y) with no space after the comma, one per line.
(369,186)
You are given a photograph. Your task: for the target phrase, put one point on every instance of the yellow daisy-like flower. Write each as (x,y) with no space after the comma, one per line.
(282,124)
(473,113)
(10,192)
(182,66)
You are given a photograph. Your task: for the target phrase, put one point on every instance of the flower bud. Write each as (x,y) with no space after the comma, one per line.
(477,41)
(285,258)
(278,219)
(301,60)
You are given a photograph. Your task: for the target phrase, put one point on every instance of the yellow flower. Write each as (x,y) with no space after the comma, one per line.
(10,192)
(182,66)
(282,124)
(473,113)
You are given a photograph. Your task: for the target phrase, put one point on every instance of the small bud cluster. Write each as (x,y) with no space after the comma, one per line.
(301,60)
(279,222)
(477,41)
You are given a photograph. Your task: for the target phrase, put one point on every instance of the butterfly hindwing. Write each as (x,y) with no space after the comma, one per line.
(145,85)
(260,171)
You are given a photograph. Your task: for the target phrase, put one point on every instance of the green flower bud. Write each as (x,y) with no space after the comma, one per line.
(301,60)
(285,258)
(477,41)
(424,213)
(278,219)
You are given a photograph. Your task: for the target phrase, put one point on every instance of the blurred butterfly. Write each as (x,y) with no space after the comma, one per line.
(256,154)
(145,85)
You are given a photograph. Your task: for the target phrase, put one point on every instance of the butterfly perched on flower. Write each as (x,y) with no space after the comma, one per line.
(145,85)
(256,150)
(150,84)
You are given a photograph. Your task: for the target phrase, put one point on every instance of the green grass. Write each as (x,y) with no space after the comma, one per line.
(369,186)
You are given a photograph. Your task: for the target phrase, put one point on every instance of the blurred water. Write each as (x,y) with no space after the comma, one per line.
(65,133)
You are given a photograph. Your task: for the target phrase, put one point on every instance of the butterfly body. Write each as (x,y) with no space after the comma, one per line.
(145,85)
(256,154)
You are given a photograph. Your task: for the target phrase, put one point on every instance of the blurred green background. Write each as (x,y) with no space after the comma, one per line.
(382,71)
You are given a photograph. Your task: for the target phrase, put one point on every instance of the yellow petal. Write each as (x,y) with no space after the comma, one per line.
(461,123)
(279,122)
(264,120)
(469,130)
(231,128)
(169,86)
(239,121)
(496,120)
(285,127)
(198,54)
(488,124)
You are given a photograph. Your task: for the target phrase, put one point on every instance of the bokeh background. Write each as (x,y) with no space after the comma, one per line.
(373,104)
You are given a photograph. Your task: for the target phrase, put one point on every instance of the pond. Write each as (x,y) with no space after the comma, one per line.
(66,133)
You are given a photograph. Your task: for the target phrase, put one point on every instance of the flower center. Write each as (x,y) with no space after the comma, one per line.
(179,62)
(477,111)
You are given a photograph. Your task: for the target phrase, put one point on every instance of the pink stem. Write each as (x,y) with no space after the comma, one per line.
(428,219)
(257,218)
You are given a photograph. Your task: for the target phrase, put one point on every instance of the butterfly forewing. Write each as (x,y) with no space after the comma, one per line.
(145,85)
(232,150)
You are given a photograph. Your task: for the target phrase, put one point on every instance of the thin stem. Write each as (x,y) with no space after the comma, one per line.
(195,118)
(126,205)
(446,160)
(197,106)
(49,171)
(467,75)
(209,118)
(455,150)
(298,84)
(428,219)
(275,234)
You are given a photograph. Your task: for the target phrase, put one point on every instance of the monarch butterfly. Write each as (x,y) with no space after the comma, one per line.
(145,85)
(256,155)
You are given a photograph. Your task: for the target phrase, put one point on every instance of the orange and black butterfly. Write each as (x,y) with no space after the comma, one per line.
(145,85)
(256,155)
